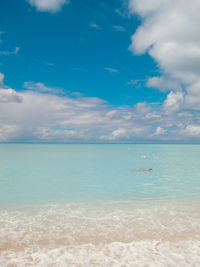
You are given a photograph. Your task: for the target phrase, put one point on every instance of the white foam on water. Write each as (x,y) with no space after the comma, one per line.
(137,253)
(106,234)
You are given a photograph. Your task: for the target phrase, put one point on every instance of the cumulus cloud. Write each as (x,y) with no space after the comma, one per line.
(116,134)
(174,102)
(1,80)
(142,108)
(192,131)
(193,96)
(7,132)
(126,133)
(7,94)
(34,115)
(51,6)
(37,114)
(169,32)
(47,133)
(163,83)
(160,131)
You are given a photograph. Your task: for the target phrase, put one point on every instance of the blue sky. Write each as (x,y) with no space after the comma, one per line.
(119,71)
(74,49)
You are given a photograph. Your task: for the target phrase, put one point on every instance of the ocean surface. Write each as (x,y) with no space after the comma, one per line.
(87,205)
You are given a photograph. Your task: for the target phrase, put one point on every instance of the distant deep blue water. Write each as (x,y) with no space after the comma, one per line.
(86,205)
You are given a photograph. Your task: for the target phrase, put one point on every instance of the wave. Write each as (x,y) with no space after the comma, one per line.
(101,234)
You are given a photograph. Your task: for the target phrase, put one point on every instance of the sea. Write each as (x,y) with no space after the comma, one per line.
(97,205)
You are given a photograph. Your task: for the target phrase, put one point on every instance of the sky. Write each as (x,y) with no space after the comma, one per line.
(110,71)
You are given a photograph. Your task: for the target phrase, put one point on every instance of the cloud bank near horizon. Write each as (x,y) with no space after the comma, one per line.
(39,114)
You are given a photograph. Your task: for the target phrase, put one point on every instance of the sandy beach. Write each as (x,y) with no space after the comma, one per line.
(130,233)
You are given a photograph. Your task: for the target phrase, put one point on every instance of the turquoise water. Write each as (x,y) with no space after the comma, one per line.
(87,205)
(40,173)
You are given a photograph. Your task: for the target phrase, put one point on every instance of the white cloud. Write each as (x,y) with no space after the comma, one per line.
(7,131)
(35,115)
(135,82)
(174,102)
(142,108)
(41,87)
(163,83)
(7,94)
(38,116)
(1,80)
(95,26)
(121,132)
(160,131)
(111,70)
(8,53)
(192,130)
(46,133)
(51,6)
(119,28)
(51,64)
(127,133)
(169,32)
(193,96)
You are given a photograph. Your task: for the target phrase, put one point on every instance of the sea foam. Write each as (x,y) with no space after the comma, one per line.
(132,233)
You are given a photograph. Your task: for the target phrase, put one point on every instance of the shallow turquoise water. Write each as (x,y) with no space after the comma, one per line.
(86,205)
(50,173)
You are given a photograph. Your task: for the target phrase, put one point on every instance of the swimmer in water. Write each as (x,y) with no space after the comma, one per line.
(143,170)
